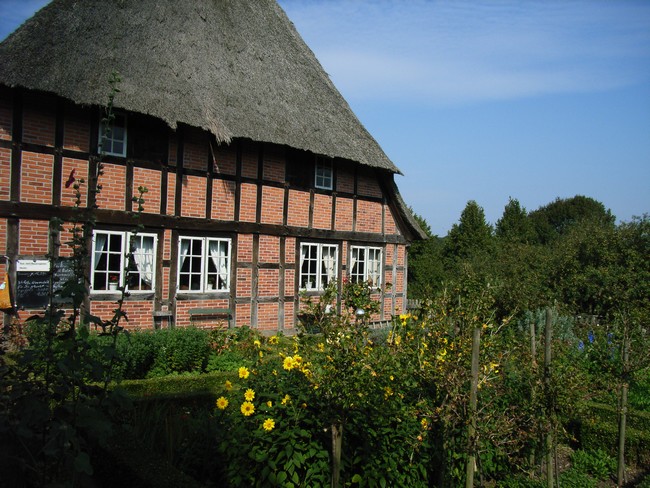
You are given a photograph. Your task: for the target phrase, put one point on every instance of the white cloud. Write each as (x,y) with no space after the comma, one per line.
(442,52)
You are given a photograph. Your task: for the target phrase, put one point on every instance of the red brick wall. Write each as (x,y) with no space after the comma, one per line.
(195,155)
(149,178)
(322,211)
(77,130)
(38,121)
(37,174)
(36,178)
(33,238)
(272,205)
(113,183)
(249,160)
(193,203)
(248,204)
(223,200)
(298,209)
(5,173)
(171,193)
(225,160)
(343,220)
(183,315)
(368,216)
(80,168)
(267,316)
(345,179)
(268,283)
(139,313)
(269,249)
(3,236)
(274,166)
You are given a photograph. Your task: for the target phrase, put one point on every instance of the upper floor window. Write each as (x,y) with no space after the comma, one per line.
(123,259)
(204,264)
(324,176)
(365,265)
(318,265)
(113,142)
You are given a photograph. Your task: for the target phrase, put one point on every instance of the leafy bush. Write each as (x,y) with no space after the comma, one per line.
(574,478)
(597,463)
(180,350)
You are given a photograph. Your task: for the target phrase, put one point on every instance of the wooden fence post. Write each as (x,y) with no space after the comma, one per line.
(548,331)
(620,474)
(473,395)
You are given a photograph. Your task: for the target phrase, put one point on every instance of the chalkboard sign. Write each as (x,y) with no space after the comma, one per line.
(32,287)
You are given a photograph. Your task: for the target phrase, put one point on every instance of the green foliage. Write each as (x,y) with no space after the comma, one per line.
(471,236)
(597,463)
(558,217)
(180,351)
(514,226)
(574,478)
(426,271)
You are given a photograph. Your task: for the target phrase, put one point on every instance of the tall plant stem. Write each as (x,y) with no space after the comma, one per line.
(473,396)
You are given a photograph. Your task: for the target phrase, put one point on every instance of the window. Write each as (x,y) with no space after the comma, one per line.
(203,264)
(324,178)
(318,265)
(116,252)
(365,265)
(113,142)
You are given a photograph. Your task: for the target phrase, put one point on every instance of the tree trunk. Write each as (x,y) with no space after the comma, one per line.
(473,394)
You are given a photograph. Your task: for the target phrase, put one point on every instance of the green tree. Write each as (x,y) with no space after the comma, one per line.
(472,235)
(514,225)
(557,218)
(426,270)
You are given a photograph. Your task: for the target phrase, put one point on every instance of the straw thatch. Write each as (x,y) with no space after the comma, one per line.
(236,68)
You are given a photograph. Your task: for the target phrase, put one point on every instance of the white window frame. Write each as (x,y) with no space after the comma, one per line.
(110,261)
(324,174)
(316,277)
(209,265)
(116,135)
(366,265)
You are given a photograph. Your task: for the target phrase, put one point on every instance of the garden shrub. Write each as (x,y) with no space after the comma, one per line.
(597,463)
(180,350)
(574,478)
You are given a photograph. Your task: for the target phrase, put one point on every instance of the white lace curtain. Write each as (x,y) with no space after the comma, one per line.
(143,257)
(219,255)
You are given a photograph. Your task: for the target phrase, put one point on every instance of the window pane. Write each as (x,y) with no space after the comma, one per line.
(107,260)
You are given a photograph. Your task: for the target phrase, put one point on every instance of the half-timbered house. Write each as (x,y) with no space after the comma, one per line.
(261,181)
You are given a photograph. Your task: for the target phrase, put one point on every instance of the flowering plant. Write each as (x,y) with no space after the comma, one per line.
(113,278)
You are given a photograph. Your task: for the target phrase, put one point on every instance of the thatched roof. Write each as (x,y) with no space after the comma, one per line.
(236,68)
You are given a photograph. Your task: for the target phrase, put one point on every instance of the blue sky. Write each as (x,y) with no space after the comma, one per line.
(477,100)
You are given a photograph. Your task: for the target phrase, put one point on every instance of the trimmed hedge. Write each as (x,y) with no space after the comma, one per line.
(179,386)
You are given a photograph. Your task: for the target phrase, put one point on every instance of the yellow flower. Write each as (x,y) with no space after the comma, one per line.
(268,425)
(257,343)
(243,372)
(321,346)
(247,408)
(286,399)
(269,404)
(297,360)
(273,339)
(228,385)
(388,391)
(249,395)
(222,403)
(425,423)
(288,363)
